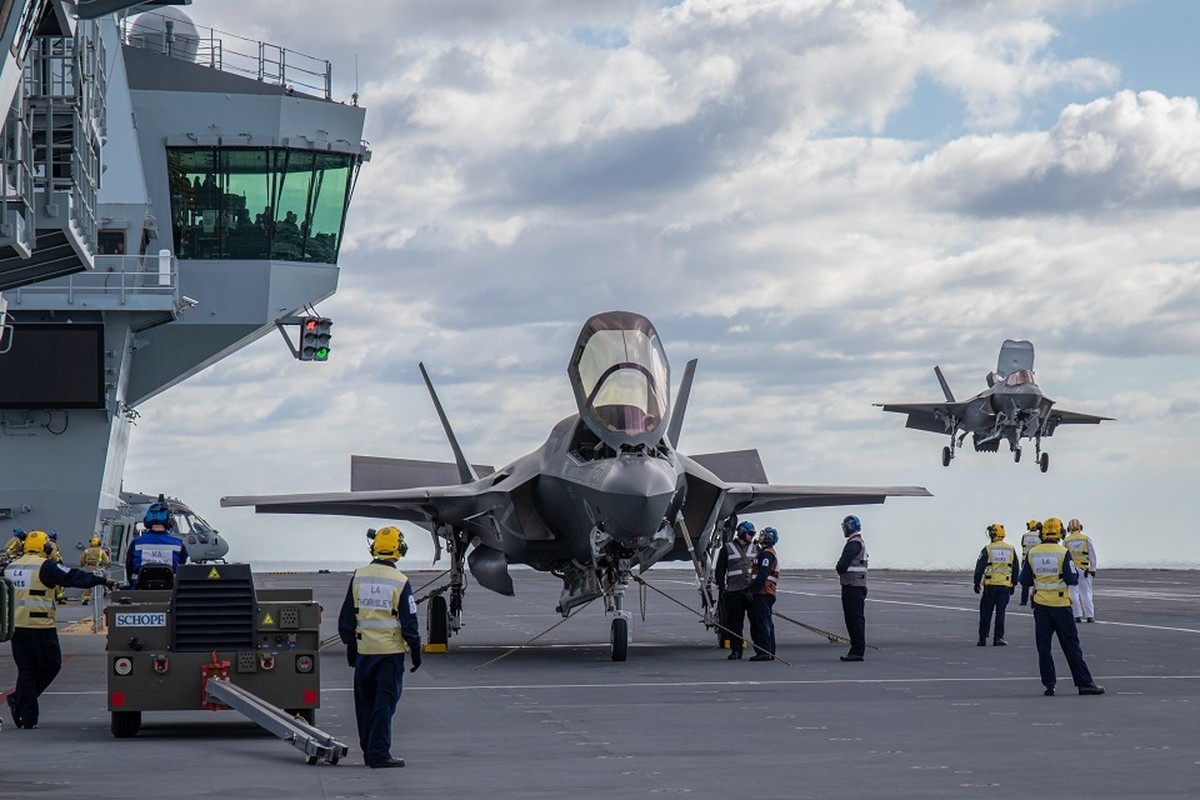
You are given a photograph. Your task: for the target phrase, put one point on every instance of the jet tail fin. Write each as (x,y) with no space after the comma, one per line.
(945,386)
(465,472)
(681,401)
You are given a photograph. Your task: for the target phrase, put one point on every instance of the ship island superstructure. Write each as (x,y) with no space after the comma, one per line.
(170,194)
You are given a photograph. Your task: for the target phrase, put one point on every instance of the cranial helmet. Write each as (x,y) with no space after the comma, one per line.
(158,514)
(995,530)
(1033,525)
(769,536)
(388,543)
(1074,525)
(745,529)
(1052,529)
(95,541)
(37,542)
(851,524)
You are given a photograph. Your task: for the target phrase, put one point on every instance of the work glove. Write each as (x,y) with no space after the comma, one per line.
(1091,573)
(416,659)
(977,589)
(110,584)
(351,653)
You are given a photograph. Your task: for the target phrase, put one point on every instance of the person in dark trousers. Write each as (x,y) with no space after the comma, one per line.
(997,569)
(762,586)
(734,571)
(1029,540)
(378,623)
(35,646)
(1049,570)
(852,575)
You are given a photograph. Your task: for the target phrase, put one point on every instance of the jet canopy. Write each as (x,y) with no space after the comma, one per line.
(621,379)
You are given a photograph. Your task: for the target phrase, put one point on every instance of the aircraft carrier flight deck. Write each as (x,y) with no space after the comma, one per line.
(927,715)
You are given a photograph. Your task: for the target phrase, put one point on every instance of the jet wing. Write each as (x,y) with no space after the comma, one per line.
(745,498)
(932,417)
(711,499)
(454,504)
(1057,416)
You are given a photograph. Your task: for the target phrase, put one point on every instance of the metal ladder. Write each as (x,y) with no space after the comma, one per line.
(315,743)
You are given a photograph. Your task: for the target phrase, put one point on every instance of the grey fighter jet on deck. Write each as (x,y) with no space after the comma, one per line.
(607,492)
(1012,408)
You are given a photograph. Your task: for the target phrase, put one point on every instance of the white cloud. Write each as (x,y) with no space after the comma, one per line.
(719,168)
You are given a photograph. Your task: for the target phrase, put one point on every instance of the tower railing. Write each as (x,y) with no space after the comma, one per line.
(229,52)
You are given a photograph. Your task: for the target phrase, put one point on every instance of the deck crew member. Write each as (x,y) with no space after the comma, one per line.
(762,586)
(1083,553)
(997,569)
(15,545)
(156,545)
(1030,539)
(378,623)
(734,571)
(1049,570)
(852,575)
(95,560)
(35,647)
(60,594)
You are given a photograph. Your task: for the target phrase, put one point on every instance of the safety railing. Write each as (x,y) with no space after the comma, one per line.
(229,52)
(117,278)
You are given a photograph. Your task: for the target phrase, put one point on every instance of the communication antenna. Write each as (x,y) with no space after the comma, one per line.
(354,97)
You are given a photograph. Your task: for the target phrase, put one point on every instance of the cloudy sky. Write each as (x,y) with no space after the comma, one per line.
(818,199)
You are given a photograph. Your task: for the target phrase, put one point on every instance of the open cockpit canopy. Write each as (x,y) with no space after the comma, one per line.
(621,379)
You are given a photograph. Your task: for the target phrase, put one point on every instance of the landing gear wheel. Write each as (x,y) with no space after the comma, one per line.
(311,760)
(619,639)
(946,456)
(333,759)
(1016,456)
(1044,462)
(439,620)
(126,724)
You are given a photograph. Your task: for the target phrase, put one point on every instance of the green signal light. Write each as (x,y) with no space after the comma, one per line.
(322,354)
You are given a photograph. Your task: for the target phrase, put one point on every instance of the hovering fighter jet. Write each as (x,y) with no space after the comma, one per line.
(1012,408)
(606,493)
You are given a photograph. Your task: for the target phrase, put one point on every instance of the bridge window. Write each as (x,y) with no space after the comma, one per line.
(259,203)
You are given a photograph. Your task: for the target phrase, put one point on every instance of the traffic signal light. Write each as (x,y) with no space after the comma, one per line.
(314,338)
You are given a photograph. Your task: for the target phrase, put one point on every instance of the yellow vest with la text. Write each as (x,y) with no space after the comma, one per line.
(376,590)
(998,571)
(1049,588)
(33,600)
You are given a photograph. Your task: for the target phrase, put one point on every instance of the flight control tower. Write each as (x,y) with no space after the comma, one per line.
(223,172)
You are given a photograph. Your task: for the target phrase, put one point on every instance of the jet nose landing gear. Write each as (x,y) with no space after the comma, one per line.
(619,636)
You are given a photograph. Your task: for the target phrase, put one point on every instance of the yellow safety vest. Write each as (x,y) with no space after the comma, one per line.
(1049,588)
(1081,554)
(33,600)
(94,557)
(1029,541)
(998,571)
(376,590)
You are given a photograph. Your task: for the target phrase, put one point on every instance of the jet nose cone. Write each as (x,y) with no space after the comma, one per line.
(636,493)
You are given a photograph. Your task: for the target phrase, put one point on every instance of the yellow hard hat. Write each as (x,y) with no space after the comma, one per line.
(37,542)
(388,543)
(1052,528)
(996,530)
(1074,525)
(95,541)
